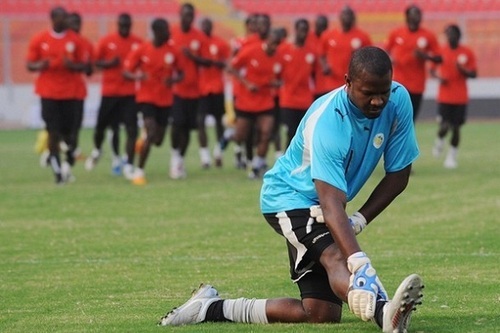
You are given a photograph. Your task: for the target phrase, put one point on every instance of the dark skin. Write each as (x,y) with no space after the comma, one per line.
(155,132)
(413,21)
(370,94)
(58,17)
(187,19)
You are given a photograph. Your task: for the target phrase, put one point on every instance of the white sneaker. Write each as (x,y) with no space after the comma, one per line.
(437,149)
(177,169)
(92,160)
(128,171)
(66,174)
(450,162)
(194,310)
(44,159)
(397,312)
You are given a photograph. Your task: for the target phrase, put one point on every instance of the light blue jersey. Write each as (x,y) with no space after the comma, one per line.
(338,145)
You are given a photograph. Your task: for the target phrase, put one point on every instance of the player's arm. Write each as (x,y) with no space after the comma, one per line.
(37,66)
(364,284)
(333,202)
(385,192)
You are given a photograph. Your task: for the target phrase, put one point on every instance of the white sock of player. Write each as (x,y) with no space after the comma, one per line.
(244,310)
(205,156)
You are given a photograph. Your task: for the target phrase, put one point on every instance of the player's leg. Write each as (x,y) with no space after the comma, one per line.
(201,116)
(162,117)
(265,127)
(149,116)
(218,110)
(51,115)
(104,116)
(128,116)
(179,137)
(416,100)
(457,117)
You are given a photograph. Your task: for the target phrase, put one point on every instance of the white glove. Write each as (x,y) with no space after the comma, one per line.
(357,220)
(364,286)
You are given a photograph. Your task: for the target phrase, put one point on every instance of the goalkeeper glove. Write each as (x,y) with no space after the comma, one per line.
(357,220)
(364,286)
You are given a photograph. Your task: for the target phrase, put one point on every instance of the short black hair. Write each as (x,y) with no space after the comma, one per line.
(371,59)
(455,28)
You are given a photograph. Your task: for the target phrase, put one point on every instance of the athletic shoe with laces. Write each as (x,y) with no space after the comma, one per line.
(66,174)
(194,310)
(92,160)
(139,178)
(397,312)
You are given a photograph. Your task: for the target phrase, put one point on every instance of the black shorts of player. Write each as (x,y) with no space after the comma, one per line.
(160,113)
(212,104)
(185,112)
(117,109)
(291,118)
(453,114)
(253,115)
(60,115)
(306,240)
(79,114)
(416,100)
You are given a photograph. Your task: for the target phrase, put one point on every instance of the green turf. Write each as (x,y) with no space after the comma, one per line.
(100,255)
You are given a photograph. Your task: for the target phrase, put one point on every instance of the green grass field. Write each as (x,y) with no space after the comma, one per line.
(100,255)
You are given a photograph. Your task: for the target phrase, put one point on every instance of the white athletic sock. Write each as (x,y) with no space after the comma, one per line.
(258,162)
(244,310)
(205,155)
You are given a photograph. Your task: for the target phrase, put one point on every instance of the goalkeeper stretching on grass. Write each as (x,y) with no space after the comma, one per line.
(337,146)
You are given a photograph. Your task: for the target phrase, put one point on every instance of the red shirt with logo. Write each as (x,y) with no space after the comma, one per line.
(297,76)
(57,81)
(212,77)
(337,46)
(260,69)
(409,70)
(454,90)
(195,41)
(158,64)
(108,48)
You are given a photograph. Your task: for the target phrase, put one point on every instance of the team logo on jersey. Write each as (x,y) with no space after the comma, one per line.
(332,42)
(169,58)
(145,59)
(194,45)
(422,42)
(277,68)
(134,46)
(309,58)
(400,40)
(213,49)
(70,47)
(462,59)
(378,140)
(355,43)
(287,57)
(254,63)
(112,46)
(45,46)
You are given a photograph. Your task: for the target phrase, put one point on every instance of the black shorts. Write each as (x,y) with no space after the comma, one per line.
(416,100)
(185,112)
(79,114)
(453,114)
(160,114)
(117,109)
(306,240)
(60,115)
(253,115)
(212,104)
